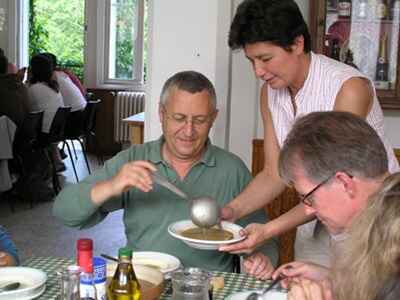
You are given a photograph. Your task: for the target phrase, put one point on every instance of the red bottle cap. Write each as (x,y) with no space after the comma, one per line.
(84,244)
(85,254)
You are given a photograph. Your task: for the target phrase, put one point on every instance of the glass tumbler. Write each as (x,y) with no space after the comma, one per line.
(190,284)
(69,278)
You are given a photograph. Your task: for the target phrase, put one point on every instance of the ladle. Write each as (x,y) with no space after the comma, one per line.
(203,211)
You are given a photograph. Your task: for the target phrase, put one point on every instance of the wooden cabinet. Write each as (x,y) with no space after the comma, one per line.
(369,32)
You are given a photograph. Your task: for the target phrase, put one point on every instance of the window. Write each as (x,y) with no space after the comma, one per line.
(123,43)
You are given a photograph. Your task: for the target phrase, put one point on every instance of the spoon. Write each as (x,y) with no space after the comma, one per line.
(259,295)
(203,211)
(10,287)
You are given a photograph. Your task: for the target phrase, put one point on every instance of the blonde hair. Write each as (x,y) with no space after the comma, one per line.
(372,252)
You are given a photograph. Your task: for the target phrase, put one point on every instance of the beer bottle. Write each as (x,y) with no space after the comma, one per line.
(382,65)
(381,10)
(344,8)
(124,285)
(349,59)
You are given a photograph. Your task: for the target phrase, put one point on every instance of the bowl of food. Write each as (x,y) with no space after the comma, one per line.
(206,238)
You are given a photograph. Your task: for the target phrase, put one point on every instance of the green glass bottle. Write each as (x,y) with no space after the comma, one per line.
(124,285)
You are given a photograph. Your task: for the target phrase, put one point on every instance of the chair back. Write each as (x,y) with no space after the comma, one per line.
(56,133)
(28,133)
(75,125)
(90,115)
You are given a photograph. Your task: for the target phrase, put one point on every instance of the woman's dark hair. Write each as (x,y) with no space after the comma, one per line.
(42,71)
(276,21)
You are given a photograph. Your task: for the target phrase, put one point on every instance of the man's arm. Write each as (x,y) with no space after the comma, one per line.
(88,203)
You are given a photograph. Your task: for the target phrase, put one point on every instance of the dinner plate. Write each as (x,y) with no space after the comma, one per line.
(33,282)
(166,263)
(271,295)
(176,229)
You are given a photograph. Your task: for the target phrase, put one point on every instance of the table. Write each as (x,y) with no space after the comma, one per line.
(136,124)
(50,265)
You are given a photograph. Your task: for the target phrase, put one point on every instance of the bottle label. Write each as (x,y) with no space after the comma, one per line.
(344,9)
(99,279)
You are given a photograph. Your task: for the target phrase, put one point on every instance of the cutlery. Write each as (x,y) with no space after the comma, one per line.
(259,295)
(10,287)
(109,257)
(204,211)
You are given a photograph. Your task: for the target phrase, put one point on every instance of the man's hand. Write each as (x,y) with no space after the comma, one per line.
(133,174)
(259,266)
(297,270)
(6,260)
(255,236)
(310,290)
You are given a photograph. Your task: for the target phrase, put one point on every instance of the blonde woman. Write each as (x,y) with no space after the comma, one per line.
(371,259)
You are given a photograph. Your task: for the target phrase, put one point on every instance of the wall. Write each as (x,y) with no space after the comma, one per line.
(182,41)
(4,32)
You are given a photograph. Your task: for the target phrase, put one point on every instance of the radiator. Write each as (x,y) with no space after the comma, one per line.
(126,104)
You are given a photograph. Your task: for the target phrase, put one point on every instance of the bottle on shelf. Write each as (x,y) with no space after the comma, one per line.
(349,60)
(362,11)
(382,65)
(87,286)
(335,50)
(344,9)
(395,11)
(124,285)
(381,10)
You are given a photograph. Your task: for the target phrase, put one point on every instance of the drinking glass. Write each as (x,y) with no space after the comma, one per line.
(190,284)
(69,283)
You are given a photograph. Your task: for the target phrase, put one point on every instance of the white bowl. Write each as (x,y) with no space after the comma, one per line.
(176,229)
(166,263)
(33,282)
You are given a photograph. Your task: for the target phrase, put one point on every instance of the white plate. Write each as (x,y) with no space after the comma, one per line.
(166,263)
(272,295)
(33,282)
(176,229)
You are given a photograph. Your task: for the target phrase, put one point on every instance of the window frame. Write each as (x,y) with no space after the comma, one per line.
(103,49)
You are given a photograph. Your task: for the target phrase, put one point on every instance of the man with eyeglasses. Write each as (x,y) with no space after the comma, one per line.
(335,161)
(185,156)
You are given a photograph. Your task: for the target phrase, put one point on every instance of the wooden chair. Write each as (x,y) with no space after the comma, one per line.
(287,200)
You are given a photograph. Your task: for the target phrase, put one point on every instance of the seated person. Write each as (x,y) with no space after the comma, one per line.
(69,78)
(8,251)
(186,157)
(13,95)
(336,162)
(368,268)
(43,90)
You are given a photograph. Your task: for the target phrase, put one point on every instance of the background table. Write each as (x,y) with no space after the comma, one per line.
(136,124)
(50,265)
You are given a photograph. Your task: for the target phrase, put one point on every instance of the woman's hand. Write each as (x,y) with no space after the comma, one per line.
(255,236)
(259,266)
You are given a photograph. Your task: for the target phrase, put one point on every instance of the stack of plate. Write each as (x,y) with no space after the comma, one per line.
(32,282)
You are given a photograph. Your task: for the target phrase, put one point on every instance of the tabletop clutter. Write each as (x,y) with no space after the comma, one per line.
(93,278)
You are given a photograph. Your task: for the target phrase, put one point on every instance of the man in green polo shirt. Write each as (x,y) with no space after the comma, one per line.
(186,157)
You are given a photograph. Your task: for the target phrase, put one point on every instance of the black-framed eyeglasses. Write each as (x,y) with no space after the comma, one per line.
(307,199)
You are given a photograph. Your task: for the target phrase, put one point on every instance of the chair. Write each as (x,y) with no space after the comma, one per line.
(25,142)
(55,135)
(286,201)
(80,126)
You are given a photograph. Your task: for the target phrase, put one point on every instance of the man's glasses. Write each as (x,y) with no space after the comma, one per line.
(181,119)
(307,199)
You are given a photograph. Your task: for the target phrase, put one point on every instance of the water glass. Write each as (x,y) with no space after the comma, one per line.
(69,283)
(190,284)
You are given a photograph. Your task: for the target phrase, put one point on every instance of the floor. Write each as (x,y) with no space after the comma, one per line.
(37,233)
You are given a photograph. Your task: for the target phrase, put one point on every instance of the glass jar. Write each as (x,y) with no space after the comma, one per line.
(69,283)
(190,284)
